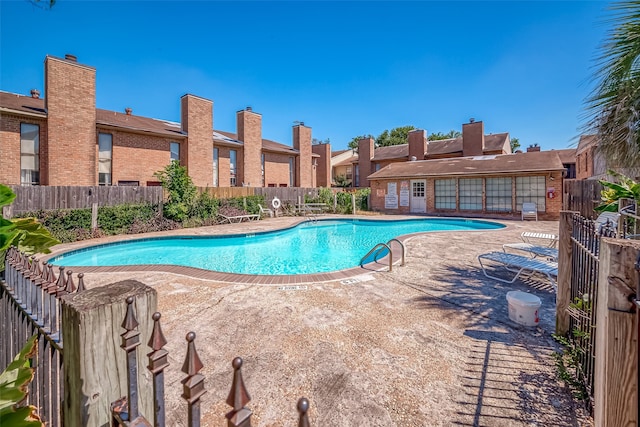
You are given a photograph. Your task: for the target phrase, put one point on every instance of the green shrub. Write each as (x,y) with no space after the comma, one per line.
(177,183)
(362,199)
(119,219)
(344,203)
(205,206)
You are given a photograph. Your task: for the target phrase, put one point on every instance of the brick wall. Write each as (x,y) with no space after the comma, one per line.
(224,163)
(302,143)
(323,169)
(154,150)
(417,144)
(71,147)
(196,153)
(472,139)
(584,163)
(10,146)
(551,213)
(365,154)
(276,169)
(249,127)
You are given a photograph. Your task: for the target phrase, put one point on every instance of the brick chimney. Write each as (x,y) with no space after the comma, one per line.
(533,147)
(304,167)
(417,144)
(472,138)
(365,154)
(249,126)
(196,152)
(69,154)
(323,167)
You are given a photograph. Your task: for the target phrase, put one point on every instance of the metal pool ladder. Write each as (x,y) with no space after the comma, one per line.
(377,248)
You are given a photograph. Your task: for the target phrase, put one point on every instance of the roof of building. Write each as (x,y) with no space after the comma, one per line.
(539,161)
(338,152)
(567,155)
(138,123)
(30,105)
(586,141)
(348,162)
(21,103)
(492,142)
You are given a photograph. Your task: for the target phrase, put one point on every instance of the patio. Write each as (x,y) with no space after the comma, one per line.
(429,344)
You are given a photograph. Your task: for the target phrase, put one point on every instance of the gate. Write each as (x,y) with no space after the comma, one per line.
(585,247)
(30,304)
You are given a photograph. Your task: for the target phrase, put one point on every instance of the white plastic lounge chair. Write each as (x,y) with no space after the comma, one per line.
(265,211)
(607,217)
(529,210)
(533,250)
(519,264)
(539,239)
(240,218)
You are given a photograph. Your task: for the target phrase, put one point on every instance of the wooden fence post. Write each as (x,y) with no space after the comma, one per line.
(565,259)
(94,216)
(353,204)
(94,364)
(616,367)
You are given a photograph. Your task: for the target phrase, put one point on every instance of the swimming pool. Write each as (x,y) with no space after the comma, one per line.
(309,247)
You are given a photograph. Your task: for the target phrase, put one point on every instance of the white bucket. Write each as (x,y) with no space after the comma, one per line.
(523,308)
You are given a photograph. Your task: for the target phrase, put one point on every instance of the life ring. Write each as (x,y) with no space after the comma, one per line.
(275,203)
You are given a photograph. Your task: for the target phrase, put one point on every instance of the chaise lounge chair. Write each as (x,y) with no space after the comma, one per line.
(265,211)
(536,244)
(529,210)
(519,264)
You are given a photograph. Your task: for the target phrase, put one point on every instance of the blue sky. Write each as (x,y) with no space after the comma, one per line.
(344,68)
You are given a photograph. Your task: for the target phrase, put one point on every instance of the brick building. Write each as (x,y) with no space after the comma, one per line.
(473,175)
(64,139)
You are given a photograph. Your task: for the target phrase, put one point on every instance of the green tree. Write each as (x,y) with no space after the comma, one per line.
(353,144)
(180,189)
(395,136)
(515,144)
(439,135)
(613,106)
(316,141)
(342,181)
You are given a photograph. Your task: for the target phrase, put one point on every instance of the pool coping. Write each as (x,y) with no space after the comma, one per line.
(380,265)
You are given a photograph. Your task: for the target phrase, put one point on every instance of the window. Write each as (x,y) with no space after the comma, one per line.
(233,163)
(470,194)
(378,166)
(418,189)
(499,194)
(445,194)
(216,156)
(29,154)
(530,189)
(349,173)
(105,145)
(129,183)
(292,169)
(357,175)
(262,163)
(175,151)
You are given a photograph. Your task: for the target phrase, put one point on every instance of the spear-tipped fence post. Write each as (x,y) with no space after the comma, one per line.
(158,361)
(130,342)
(36,292)
(238,397)
(193,384)
(80,283)
(70,286)
(303,407)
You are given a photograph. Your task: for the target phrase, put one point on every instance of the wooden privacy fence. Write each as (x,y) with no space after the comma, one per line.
(581,196)
(595,309)
(40,197)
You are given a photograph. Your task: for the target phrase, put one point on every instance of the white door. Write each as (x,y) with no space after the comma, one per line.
(418,196)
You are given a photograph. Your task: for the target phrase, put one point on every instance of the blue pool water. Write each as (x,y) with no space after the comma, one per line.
(323,246)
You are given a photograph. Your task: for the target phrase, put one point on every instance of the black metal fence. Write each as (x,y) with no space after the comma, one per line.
(30,304)
(585,249)
(125,410)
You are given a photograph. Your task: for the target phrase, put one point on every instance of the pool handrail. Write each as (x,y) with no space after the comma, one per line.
(377,248)
(401,245)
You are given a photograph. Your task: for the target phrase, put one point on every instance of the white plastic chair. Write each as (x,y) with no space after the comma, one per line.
(264,211)
(529,210)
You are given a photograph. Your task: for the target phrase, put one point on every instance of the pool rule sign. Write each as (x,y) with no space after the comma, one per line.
(391,198)
(404,193)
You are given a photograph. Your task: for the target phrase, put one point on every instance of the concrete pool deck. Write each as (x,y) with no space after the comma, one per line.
(429,344)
